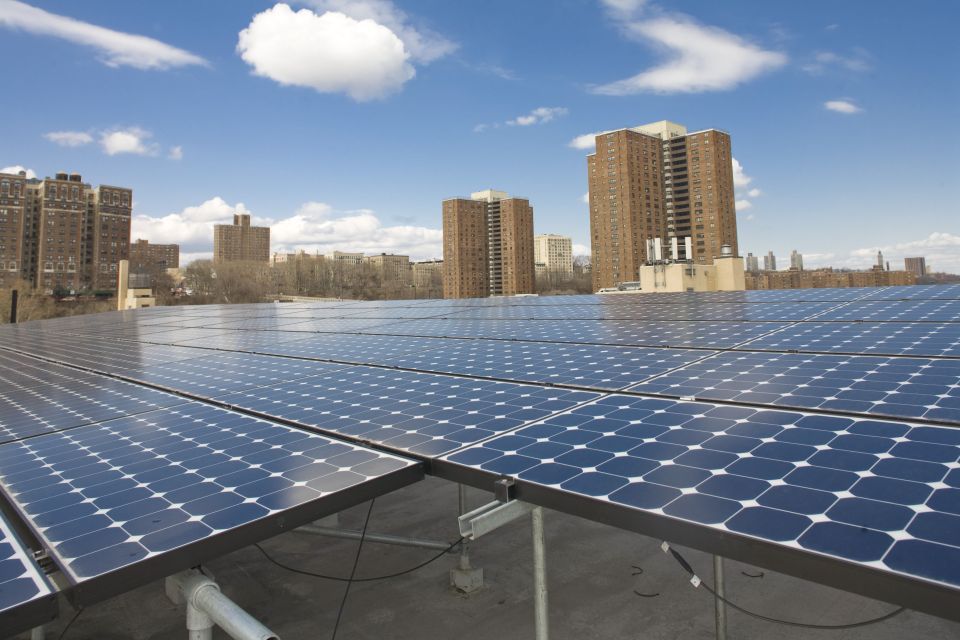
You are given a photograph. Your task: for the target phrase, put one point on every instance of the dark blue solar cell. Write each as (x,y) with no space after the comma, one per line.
(706,459)
(709,424)
(645,495)
(864,444)
(760,468)
(733,487)
(584,458)
(821,478)
(925,559)
(754,430)
(594,483)
(845,460)
(235,516)
(797,499)
(677,475)
(871,514)
(550,473)
(684,436)
(702,508)
(731,413)
(799,435)
(939,435)
(826,423)
(770,524)
(774,417)
(846,541)
(108,559)
(627,466)
(910,470)
(642,431)
(475,456)
(945,500)
(545,450)
(936,527)
(784,451)
(667,419)
(731,444)
(658,451)
(926,451)
(614,444)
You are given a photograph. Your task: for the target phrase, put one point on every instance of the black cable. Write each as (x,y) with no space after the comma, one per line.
(370,579)
(823,627)
(69,624)
(353,571)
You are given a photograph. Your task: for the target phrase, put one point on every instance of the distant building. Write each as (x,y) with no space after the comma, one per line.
(879,266)
(301,255)
(345,257)
(61,233)
(796,261)
(820,278)
(658,181)
(916,266)
(725,274)
(146,257)
(554,252)
(769,262)
(427,274)
(394,269)
(240,242)
(752,263)
(487,246)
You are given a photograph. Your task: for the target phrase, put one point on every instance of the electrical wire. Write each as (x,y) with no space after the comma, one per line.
(69,624)
(697,582)
(353,571)
(370,579)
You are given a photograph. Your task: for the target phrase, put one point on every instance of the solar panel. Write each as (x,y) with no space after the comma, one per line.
(880,338)
(887,311)
(408,412)
(881,497)
(369,349)
(885,386)
(26,598)
(124,502)
(694,310)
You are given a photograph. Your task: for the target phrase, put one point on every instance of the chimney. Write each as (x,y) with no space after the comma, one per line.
(60,175)
(75,177)
(726,251)
(123,276)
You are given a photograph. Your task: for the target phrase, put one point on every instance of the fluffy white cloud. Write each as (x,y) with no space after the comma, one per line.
(539,115)
(331,53)
(941,249)
(740,178)
(754,193)
(845,106)
(69,138)
(702,58)
(117,49)
(581,250)
(586,198)
(315,226)
(424,45)
(859,61)
(17,168)
(585,141)
(175,153)
(623,9)
(131,140)
(743,205)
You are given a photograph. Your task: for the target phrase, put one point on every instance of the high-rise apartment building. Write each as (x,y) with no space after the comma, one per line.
(241,242)
(554,252)
(658,181)
(61,234)
(916,266)
(796,260)
(752,263)
(487,245)
(769,262)
(394,269)
(146,257)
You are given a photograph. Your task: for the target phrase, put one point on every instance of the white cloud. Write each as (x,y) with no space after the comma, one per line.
(69,138)
(17,168)
(131,140)
(743,205)
(859,61)
(941,250)
(586,198)
(117,49)
(702,58)
(585,141)
(845,106)
(754,193)
(581,250)
(540,115)
(623,9)
(423,44)
(331,53)
(175,153)
(315,226)
(740,179)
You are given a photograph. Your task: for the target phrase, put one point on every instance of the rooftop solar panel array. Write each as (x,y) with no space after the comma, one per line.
(811,431)
(26,597)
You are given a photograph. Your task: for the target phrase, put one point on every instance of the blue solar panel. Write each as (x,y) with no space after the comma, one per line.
(357,348)
(26,597)
(102,354)
(888,311)
(880,338)
(916,292)
(694,310)
(130,500)
(885,494)
(600,367)
(409,412)
(874,385)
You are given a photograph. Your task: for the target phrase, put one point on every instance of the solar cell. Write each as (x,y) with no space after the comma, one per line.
(409,412)
(880,496)
(26,597)
(694,310)
(128,501)
(887,386)
(880,338)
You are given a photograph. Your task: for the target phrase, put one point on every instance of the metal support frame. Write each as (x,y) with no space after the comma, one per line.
(37,633)
(207,607)
(381,538)
(540,610)
(14,299)
(721,606)
(465,577)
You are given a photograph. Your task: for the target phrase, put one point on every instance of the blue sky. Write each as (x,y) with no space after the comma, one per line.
(343,124)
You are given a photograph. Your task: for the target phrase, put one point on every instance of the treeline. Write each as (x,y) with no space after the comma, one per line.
(553,283)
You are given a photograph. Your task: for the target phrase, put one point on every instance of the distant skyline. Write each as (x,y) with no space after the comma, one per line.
(343,124)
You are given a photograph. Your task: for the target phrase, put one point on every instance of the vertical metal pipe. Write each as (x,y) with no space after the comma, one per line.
(14,300)
(721,607)
(464,562)
(37,633)
(541,620)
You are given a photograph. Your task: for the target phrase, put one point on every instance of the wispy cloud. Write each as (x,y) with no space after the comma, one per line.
(845,106)
(69,138)
(540,115)
(941,250)
(17,168)
(175,153)
(116,48)
(858,61)
(584,141)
